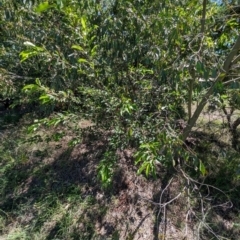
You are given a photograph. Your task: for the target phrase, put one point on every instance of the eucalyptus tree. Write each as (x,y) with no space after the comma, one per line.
(129,66)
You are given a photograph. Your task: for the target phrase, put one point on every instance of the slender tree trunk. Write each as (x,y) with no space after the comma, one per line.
(203,20)
(235,137)
(225,69)
(191,70)
(190,98)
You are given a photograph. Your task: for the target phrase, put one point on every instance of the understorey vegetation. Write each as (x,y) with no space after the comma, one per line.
(102,100)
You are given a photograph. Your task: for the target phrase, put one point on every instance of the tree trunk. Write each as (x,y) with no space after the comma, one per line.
(235,137)
(226,67)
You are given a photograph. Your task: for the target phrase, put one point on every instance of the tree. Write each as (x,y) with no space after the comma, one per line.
(126,65)
(135,69)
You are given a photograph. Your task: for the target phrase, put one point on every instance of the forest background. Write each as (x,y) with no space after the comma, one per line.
(107,106)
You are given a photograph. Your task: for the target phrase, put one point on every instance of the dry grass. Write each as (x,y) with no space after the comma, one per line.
(51,191)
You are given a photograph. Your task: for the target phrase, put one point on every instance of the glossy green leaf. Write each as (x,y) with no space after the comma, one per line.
(42,7)
(77,47)
(202,168)
(83,22)
(82,60)
(45,98)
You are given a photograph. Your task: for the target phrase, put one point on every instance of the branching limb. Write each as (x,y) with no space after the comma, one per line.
(220,77)
(191,191)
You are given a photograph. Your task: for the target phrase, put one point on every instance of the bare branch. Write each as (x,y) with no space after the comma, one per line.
(233,80)
(203,20)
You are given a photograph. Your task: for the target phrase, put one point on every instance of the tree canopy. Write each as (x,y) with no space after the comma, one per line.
(143,72)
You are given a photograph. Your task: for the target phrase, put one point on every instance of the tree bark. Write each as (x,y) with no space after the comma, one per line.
(225,69)
(235,137)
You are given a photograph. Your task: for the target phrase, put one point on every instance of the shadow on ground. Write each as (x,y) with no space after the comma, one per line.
(40,195)
(55,194)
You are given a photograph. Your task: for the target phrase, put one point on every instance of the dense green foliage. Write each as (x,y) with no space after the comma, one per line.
(128,66)
(135,69)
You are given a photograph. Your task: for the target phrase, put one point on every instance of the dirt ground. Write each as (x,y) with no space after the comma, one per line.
(134,207)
